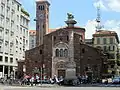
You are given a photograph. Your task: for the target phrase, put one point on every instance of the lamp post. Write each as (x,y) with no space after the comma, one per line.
(41,75)
(42,72)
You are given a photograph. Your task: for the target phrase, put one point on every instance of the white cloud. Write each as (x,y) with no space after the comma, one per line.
(101,4)
(113,25)
(90,28)
(114,5)
(111,5)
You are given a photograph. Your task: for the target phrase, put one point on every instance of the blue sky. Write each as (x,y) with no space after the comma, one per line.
(84,12)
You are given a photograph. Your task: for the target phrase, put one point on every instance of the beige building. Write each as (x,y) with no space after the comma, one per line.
(32,39)
(108,41)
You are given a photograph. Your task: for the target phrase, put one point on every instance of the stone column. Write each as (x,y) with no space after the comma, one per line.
(8,71)
(14,70)
(53,69)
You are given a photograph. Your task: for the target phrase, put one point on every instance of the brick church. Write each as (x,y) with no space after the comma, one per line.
(63,51)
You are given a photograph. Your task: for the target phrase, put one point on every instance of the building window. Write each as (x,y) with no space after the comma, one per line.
(111,41)
(105,48)
(112,66)
(57,52)
(98,40)
(32,41)
(1,68)
(11,60)
(111,56)
(104,41)
(17,18)
(65,52)
(6,59)
(40,51)
(113,72)
(1,59)
(61,52)
(54,38)
(36,62)
(43,26)
(18,7)
(41,7)
(111,48)
(83,50)
(0,49)
(67,38)
(60,38)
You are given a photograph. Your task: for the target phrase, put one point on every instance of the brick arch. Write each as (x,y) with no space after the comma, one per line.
(60,44)
(60,65)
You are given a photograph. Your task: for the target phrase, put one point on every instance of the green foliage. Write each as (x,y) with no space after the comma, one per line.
(25,12)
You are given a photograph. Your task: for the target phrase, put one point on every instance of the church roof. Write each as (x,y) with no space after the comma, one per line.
(66,29)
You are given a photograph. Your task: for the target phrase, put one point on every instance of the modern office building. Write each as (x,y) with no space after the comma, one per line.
(14,22)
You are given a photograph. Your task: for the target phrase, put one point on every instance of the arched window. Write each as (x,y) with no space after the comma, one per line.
(65,53)
(43,7)
(61,52)
(57,52)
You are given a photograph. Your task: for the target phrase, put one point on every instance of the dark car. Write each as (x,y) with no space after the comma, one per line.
(70,82)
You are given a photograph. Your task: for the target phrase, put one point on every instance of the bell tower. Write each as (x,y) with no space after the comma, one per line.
(42,20)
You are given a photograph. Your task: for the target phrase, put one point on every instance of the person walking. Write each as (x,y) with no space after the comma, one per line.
(32,80)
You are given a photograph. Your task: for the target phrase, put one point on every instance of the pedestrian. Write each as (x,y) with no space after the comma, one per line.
(32,80)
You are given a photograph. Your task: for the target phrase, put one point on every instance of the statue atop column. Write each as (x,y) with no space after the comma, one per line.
(70,16)
(70,20)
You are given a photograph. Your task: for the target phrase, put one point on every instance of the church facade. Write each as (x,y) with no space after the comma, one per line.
(62,52)
(65,54)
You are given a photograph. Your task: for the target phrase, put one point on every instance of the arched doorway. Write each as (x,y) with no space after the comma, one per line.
(61,69)
(61,72)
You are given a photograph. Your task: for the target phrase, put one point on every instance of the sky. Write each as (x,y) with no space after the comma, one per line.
(84,11)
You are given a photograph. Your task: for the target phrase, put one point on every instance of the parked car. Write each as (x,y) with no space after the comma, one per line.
(116,80)
(70,82)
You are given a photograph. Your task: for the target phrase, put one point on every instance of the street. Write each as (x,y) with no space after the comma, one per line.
(56,88)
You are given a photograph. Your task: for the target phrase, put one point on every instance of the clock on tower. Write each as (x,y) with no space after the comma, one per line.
(41,16)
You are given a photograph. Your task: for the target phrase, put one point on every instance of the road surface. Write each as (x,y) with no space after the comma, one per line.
(57,88)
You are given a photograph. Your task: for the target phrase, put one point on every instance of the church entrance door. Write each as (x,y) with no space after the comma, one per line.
(61,73)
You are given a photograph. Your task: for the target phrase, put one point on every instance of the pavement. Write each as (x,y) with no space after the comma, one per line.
(38,85)
(58,88)
(56,85)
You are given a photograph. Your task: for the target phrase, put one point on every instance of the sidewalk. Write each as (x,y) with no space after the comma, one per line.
(38,85)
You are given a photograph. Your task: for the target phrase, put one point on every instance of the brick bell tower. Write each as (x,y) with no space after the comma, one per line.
(42,20)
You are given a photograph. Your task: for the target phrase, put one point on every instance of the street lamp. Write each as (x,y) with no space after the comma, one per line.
(42,72)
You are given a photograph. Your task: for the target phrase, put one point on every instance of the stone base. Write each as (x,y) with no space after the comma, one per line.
(70,73)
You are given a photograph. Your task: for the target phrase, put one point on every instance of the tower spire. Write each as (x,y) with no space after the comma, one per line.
(98,19)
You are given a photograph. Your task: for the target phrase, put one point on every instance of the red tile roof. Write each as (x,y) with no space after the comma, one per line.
(32,32)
